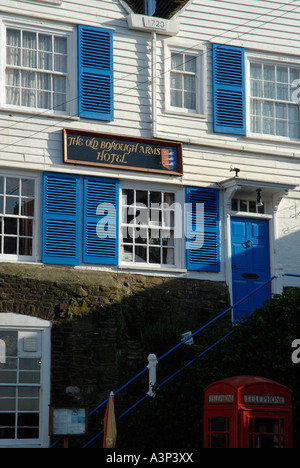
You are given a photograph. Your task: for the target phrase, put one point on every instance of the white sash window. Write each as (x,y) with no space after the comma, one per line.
(273,108)
(24,380)
(36,74)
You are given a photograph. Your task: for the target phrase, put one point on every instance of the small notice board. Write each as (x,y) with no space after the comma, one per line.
(68,421)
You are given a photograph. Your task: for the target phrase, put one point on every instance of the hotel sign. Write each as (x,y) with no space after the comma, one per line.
(139,154)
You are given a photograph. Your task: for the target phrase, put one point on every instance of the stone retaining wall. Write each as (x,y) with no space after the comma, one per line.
(100,320)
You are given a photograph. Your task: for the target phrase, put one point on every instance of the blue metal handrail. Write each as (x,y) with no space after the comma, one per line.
(173,349)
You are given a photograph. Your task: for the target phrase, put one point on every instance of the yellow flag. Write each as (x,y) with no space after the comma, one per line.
(110,429)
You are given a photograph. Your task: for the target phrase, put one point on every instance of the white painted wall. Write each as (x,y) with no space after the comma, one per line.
(32,141)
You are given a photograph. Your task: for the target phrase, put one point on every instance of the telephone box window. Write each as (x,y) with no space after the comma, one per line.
(266,433)
(219,432)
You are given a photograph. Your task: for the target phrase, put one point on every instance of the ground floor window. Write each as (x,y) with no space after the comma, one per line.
(17,215)
(148,227)
(23,380)
(104,221)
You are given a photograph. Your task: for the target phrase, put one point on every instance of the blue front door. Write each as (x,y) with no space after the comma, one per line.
(250,260)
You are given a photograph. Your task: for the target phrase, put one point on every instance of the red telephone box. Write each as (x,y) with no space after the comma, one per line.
(248,412)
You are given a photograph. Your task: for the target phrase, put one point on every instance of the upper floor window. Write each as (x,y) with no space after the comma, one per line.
(47,70)
(36,74)
(183,80)
(273,110)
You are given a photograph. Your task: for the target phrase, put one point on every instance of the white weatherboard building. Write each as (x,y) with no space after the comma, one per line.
(116,126)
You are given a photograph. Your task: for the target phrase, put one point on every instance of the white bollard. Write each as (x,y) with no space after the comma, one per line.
(279,272)
(152,363)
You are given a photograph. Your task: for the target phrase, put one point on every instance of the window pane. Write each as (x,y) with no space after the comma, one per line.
(60,92)
(219,424)
(177,61)
(25,246)
(176,99)
(27,188)
(28,98)
(190,63)
(29,50)
(27,207)
(282,92)
(12,205)
(7,425)
(12,186)
(10,226)
(189,83)
(60,57)
(176,81)
(154,255)
(45,54)
(168,256)
(13,94)
(13,51)
(127,253)
(28,426)
(140,254)
(10,245)
(142,197)
(190,101)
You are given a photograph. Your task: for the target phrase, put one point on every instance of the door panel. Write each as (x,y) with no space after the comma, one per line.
(250,264)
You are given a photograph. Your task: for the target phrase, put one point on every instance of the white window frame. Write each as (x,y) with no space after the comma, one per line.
(71,80)
(199,54)
(277,61)
(179,226)
(27,326)
(16,257)
(52,2)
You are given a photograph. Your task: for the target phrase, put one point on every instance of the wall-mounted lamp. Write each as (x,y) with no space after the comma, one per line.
(259,201)
(235,169)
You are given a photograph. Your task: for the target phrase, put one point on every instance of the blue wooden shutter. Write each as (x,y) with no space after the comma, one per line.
(229,89)
(95,67)
(100,242)
(60,219)
(204,256)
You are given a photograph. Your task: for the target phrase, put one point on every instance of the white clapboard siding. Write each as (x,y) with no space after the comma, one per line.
(262,28)
(35,138)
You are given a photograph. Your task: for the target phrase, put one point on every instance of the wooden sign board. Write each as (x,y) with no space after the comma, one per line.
(139,154)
